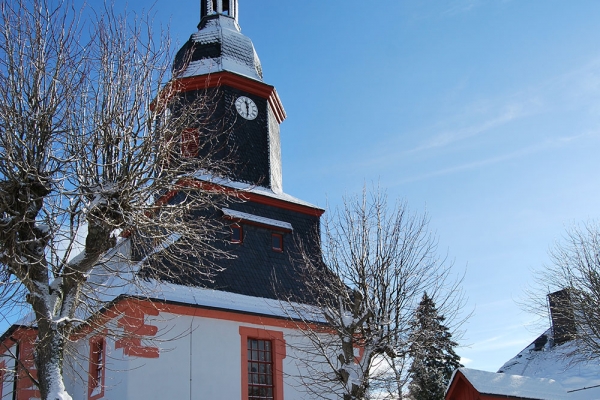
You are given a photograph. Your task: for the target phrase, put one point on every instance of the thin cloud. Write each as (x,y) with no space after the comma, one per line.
(460,7)
(511,113)
(550,143)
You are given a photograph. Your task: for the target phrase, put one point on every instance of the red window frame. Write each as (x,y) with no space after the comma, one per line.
(240,234)
(97,369)
(278,353)
(274,246)
(190,143)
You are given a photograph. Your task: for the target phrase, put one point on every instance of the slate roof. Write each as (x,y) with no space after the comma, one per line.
(218,45)
(256,269)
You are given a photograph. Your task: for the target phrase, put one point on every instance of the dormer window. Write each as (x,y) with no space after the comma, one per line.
(237,234)
(277,242)
(190,142)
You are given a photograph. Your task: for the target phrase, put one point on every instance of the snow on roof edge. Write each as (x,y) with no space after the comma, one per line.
(211,298)
(493,383)
(250,188)
(257,218)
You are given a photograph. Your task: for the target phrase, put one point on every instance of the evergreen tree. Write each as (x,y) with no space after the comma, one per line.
(432,352)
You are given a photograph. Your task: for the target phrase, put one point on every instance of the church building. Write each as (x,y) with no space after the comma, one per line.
(189,338)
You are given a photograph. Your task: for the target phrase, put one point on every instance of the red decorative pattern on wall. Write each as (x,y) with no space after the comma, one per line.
(134,327)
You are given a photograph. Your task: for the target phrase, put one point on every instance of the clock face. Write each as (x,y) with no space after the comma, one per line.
(246,107)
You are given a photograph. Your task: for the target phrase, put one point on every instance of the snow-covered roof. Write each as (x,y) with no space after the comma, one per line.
(258,219)
(562,363)
(218,46)
(117,287)
(246,187)
(128,283)
(211,298)
(514,385)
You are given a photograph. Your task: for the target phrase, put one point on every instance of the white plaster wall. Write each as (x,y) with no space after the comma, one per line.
(8,383)
(200,358)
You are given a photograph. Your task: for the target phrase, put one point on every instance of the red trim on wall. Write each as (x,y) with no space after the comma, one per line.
(276,337)
(131,315)
(95,364)
(149,307)
(241,194)
(257,198)
(226,78)
(135,329)
(249,196)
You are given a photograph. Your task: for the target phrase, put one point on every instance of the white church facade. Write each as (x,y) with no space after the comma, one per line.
(185,338)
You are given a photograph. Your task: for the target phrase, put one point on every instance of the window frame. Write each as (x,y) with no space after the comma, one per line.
(97,367)
(239,227)
(280,248)
(190,143)
(278,353)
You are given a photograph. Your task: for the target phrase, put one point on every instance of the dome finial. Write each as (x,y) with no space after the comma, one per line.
(223,7)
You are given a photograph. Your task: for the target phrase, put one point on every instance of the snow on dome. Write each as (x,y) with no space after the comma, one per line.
(218,46)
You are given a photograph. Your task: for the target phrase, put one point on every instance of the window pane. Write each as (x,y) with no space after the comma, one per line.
(277,242)
(236,234)
(260,370)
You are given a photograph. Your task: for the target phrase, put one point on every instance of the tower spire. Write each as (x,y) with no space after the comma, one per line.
(223,7)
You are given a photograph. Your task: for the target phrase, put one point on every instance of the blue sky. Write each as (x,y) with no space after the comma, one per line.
(486,114)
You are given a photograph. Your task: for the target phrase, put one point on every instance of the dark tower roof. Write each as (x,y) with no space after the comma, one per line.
(218,45)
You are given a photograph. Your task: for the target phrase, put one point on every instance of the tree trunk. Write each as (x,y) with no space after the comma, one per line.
(49,350)
(49,362)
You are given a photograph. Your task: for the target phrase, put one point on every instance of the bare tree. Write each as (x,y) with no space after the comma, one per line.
(90,149)
(378,263)
(573,281)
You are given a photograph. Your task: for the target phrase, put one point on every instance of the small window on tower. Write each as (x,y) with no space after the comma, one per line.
(237,234)
(189,143)
(226,7)
(277,242)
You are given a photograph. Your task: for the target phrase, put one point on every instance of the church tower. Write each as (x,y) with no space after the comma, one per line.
(220,64)
(220,61)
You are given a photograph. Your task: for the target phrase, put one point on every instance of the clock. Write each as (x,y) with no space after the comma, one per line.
(246,107)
